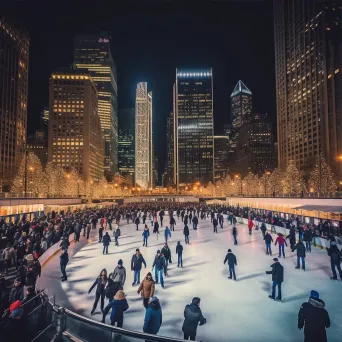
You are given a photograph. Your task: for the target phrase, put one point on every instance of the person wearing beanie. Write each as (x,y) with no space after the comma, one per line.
(314,318)
(153,317)
(119,275)
(232,262)
(136,266)
(335,260)
(277,278)
(159,263)
(118,305)
(147,288)
(192,317)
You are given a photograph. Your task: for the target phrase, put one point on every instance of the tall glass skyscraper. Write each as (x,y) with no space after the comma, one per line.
(193,109)
(241,105)
(143,137)
(92,53)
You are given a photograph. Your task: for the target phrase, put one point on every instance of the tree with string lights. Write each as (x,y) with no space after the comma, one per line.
(276,182)
(293,181)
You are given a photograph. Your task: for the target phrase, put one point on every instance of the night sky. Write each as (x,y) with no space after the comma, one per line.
(149,40)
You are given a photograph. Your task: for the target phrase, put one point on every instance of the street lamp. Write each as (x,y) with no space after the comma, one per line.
(267,173)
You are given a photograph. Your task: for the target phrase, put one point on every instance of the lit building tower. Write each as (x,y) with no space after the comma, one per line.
(143,137)
(127,142)
(193,108)
(221,156)
(75,139)
(241,105)
(308,56)
(170,149)
(14,60)
(92,53)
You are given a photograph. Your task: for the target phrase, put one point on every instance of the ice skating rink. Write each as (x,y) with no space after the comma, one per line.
(235,311)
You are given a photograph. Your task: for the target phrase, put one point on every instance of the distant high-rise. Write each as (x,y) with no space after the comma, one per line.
(92,53)
(221,156)
(143,137)
(38,144)
(308,57)
(241,105)
(170,169)
(75,139)
(14,63)
(127,142)
(193,108)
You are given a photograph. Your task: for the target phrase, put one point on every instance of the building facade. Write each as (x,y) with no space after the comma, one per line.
(170,168)
(143,137)
(127,142)
(221,156)
(75,139)
(14,63)
(241,105)
(92,53)
(308,56)
(38,144)
(194,143)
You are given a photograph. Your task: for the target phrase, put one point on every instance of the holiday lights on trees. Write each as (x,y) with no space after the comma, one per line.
(276,182)
(293,181)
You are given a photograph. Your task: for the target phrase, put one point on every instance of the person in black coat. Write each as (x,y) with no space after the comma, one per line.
(292,237)
(308,238)
(234,231)
(195,222)
(335,260)
(277,278)
(101,233)
(172,223)
(137,222)
(192,316)
(106,241)
(100,283)
(300,254)
(268,240)
(17,291)
(314,319)
(215,225)
(179,252)
(64,259)
(136,266)
(186,233)
(231,258)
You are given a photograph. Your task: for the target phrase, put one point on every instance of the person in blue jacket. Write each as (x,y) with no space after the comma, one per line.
(153,317)
(146,234)
(118,305)
(167,233)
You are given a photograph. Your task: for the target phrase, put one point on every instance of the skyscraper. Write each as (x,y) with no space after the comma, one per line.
(143,137)
(308,56)
(193,108)
(127,142)
(14,63)
(92,53)
(221,156)
(75,139)
(241,105)
(170,169)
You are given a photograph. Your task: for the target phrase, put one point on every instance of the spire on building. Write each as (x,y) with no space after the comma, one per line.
(240,88)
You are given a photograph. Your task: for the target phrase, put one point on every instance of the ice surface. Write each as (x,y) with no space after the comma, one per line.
(235,311)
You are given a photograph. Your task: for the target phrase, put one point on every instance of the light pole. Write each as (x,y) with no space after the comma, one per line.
(267,173)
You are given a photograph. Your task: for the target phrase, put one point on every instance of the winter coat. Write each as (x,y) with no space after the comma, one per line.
(234,231)
(156,227)
(300,249)
(112,288)
(147,288)
(119,275)
(167,253)
(153,318)
(268,238)
(231,258)
(334,253)
(167,232)
(17,293)
(146,233)
(8,253)
(172,221)
(250,224)
(137,221)
(106,240)
(195,220)
(192,316)
(315,319)
(118,306)
(137,261)
(99,285)
(277,272)
(186,230)
(292,236)
(117,233)
(159,262)
(215,222)
(64,259)
(179,249)
(186,219)
(307,235)
(281,240)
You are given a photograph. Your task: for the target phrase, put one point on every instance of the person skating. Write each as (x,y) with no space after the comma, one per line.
(172,223)
(101,233)
(119,275)
(292,237)
(167,234)
(100,283)
(167,255)
(106,241)
(277,278)
(88,230)
(64,259)
(147,288)
(186,234)
(118,305)
(281,241)
(215,224)
(153,317)
(161,216)
(192,318)
(194,222)
(234,231)
(137,222)
(117,233)
(232,262)
(159,266)
(220,219)
(335,260)
(263,229)
(179,252)
(111,288)
(307,237)
(250,226)
(300,254)
(156,227)
(145,234)
(268,240)
(136,265)
(314,318)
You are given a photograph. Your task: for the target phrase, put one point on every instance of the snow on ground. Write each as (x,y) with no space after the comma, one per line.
(235,311)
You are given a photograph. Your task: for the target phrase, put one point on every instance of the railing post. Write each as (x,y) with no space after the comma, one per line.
(61,325)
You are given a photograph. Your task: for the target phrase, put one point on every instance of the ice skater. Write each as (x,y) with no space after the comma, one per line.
(159,266)
(232,262)
(277,278)
(117,233)
(234,234)
(137,222)
(307,238)
(186,233)
(167,255)
(268,240)
(195,222)
(106,241)
(220,219)
(300,254)
(146,234)
(101,233)
(250,226)
(335,260)
(100,283)
(215,224)
(64,259)
(167,234)
(136,266)
(179,252)
(281,241)
(172,223)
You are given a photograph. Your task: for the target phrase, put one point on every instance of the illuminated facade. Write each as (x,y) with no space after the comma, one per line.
(170,169)
(127,142)
(308,56)
(75,139)
(38,144)
(143,137)
(14,60)
(221,156)
(193,108)
(92,53)
(241,105)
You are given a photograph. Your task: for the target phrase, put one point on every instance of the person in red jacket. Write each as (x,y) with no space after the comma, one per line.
(250,226)
(281,241)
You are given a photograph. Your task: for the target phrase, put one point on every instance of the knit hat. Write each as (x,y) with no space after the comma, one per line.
(314,294)
(17,312)
(15,309)
(275,259)
(158,251)
(137,250)
(229,250)
(120,262)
